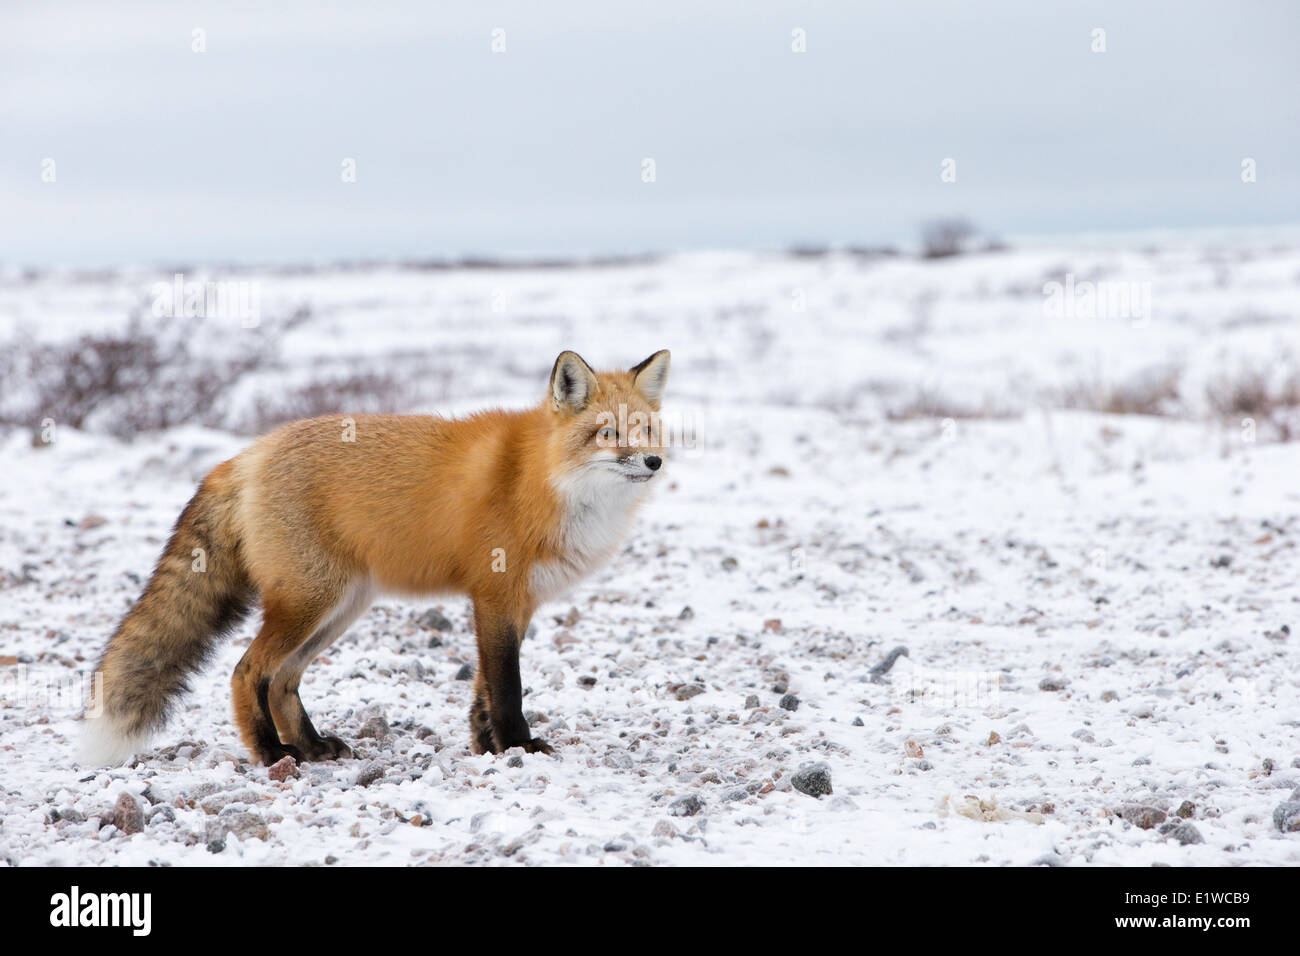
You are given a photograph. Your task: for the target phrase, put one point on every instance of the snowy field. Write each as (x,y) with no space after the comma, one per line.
(1082,526)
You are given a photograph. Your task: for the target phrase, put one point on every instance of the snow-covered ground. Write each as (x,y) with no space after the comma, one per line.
(886,452)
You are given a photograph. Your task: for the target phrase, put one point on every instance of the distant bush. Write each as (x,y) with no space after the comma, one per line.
(1252,393)
(149,376)
(945,237)
(360,393)
(1269,399)
(120,382)
(1152,392)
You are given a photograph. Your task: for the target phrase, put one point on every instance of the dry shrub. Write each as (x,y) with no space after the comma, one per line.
(122,383)
(1152,392)
(1253,393)
(358,393)
(929,403)
(945,237)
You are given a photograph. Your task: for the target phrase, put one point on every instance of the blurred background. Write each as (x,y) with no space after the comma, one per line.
(865,208)
(490,129)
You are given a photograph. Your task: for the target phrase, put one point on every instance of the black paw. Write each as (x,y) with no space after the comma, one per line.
(272,753)
(329,747)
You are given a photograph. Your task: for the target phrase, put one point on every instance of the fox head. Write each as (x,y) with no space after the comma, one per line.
(607,423)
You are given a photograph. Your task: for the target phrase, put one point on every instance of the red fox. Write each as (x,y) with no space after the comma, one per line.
(508,507)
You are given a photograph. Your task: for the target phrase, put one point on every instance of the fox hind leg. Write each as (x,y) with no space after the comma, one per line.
(269,723)
(291,719)
(282,630)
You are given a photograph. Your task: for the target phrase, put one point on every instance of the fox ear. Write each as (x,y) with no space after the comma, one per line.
(651,376)
(572,382)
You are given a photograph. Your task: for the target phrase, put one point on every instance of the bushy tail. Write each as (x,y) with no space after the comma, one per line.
(198,592)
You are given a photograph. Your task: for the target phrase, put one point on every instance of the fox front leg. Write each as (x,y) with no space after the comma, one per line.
(496,717)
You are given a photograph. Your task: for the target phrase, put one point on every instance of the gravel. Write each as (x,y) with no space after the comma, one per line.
(814,780)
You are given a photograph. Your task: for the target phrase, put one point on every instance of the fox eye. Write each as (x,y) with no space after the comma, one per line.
(605,434)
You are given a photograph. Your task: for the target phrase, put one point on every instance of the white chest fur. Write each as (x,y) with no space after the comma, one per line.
(598,509)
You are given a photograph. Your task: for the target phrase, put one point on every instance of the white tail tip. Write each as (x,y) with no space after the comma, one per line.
(106,743)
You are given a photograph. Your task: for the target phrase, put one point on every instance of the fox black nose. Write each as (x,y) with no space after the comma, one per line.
(653,462)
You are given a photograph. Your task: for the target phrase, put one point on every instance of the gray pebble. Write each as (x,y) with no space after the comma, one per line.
(434,620)
(466,672)
(686,806)
(1052,683)
(687,691)
(128,816)
(664,830)
(1182,831)
(1286,816)
(376,728)
(618,761)
(789,702)
(219,801)
(813,779)
(244,824)
(752,702)
(370,773)
(1141,816)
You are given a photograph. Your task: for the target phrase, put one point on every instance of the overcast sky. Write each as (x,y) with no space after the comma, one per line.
(165,155)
